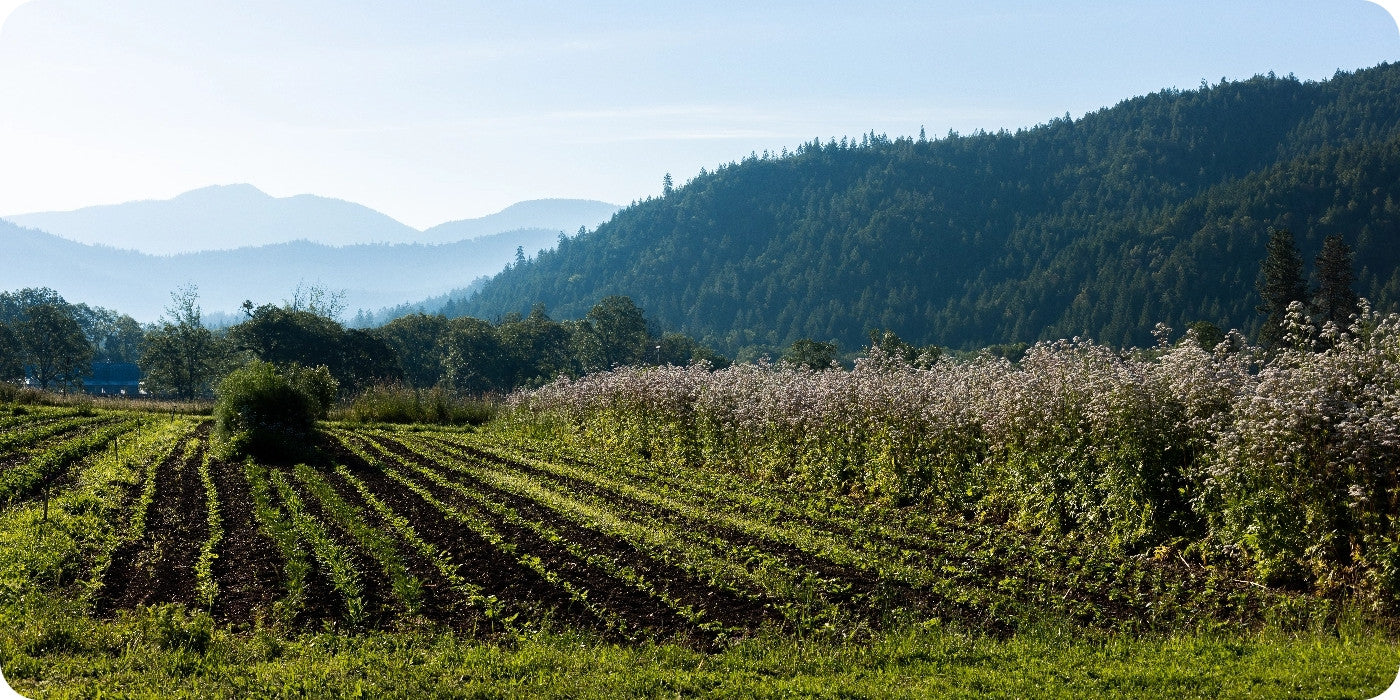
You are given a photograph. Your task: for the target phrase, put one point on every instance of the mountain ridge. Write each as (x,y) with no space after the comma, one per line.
(1152,210)
(228,217)
(372,276)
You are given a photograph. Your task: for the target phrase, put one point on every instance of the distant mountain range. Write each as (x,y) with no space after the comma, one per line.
(1154,210)
(236,243)
(224,217)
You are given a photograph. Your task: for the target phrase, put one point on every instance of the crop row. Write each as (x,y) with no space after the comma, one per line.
(85,517)
(44,466)
(25,435)
(903,559)
(643,543)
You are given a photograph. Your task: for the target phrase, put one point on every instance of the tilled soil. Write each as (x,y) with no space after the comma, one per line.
(439,602)
(249,567)
(380,605)
(727,607)
(159,567)
(523,592)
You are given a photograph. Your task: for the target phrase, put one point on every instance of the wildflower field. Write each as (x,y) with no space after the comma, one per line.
(1199,522)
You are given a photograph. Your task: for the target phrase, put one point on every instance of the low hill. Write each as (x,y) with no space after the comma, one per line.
(139,284)
(227,217)
(552,214)
(221,218)
(1156,209)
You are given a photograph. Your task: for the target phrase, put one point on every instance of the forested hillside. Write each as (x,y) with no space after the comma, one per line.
(1156,209)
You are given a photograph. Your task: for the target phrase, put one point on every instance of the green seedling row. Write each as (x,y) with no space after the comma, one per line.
(471,593)
(740,570)
(24,480)
(949,558)
(82,530)
(406,586)
(330,554)
(206,586)
(25,434)
(623,573)
(33,415)
(142,510)
(275,524)
(824,548)
(481,528)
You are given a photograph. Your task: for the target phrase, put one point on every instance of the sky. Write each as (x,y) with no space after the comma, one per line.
(437,110)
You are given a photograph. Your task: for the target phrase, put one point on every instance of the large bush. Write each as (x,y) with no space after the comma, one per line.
(265,412)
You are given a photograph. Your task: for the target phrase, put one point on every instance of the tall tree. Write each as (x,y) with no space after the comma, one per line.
(415,339)
(182,357)
(1334,299)
(622,330)
(55,348)
(473,360)
(1280,284)
(805,352)
(11,355)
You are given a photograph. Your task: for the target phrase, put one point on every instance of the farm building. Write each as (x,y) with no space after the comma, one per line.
(113,378)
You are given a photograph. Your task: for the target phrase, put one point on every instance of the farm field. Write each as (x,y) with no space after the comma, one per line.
(135,560)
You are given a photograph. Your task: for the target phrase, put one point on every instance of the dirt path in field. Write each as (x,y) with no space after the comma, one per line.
(159,568)
(249,567)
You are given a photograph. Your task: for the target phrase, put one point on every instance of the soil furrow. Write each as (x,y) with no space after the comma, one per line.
(862,582)
(249,567)
(731,610)
(380,605)
(521,590)
(438,602)
(159,568)
(861,591)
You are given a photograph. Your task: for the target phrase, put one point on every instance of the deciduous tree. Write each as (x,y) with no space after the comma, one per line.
(55,349)
(181,356)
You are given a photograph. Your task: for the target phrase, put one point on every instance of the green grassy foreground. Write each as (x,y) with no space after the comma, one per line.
(162,652)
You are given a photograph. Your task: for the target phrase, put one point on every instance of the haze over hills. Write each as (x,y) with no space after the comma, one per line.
(372,276)
(552,214)
(225,217)
(1156,209)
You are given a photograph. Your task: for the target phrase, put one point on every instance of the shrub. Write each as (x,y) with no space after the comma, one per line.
(264,412)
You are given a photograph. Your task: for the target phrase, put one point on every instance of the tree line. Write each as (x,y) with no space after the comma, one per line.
(52,344)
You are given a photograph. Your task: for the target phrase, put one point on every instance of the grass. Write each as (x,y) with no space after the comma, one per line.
(397,404)
(59,652)
(18,397)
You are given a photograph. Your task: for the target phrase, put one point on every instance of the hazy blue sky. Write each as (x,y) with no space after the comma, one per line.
(438,110)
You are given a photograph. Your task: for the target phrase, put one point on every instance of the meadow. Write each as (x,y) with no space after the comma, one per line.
(1200,522)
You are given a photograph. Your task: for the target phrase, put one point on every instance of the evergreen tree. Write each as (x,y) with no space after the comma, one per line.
(1280,284)
(805,352)
(1334,299)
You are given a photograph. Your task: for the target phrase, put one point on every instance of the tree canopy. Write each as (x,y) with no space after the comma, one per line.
(1156,209)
